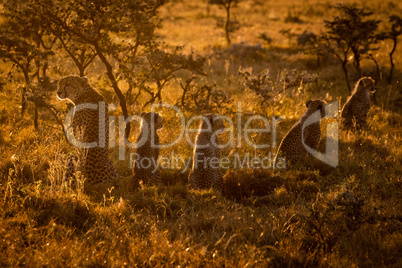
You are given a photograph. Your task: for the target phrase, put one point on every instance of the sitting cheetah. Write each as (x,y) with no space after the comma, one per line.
(291,146)
(205,171)
(94,162)
(145,166)
(354,112)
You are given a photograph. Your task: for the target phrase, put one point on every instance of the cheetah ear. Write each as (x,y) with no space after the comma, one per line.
(308,103)
(158,121)
(361,82)
(321,107)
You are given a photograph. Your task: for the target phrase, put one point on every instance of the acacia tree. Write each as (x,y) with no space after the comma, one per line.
(51,18)
(25,44)
(356,30)
(336,48)
(113,31)
(81,54)
(20,54)
(203,97)
(160,67)
(349,34)
(227,5)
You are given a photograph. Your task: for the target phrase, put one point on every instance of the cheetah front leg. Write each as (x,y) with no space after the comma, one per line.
(192,181)
(218,181)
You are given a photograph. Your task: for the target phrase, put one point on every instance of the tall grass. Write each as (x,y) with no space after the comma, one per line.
(308,215)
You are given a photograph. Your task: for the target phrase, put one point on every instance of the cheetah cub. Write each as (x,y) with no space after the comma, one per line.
(205,171)
(145,166)
(354,112)
(292,147)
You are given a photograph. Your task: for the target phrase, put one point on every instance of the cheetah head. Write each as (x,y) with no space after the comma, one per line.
(315,105)
(71,87)
(365,84)
(152,119)
(213,122)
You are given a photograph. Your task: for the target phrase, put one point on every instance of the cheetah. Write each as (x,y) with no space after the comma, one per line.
(354,112)
(145,166)
(88,127)
(205,171)
(291,146)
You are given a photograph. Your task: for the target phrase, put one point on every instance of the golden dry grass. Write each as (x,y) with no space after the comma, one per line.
(312,215)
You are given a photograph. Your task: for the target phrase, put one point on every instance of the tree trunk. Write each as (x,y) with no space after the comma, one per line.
(345,71)
(356,61)
(377,78)
(109,71)
(391,70)
(36,116)
(227,25)
(23,100)
(44,69)
(24,91)
(82,71)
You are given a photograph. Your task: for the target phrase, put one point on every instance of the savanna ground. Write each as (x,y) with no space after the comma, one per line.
(309,215)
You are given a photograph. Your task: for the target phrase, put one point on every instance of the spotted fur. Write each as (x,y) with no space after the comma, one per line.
(291,146)
(145,165)
(205,173)
(94,163)
(354,112)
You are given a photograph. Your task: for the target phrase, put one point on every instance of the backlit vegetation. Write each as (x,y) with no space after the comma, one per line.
(137,53)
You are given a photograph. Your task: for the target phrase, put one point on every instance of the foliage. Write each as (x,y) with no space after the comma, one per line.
(87,29)
(159,68)
(203,98)
(350,34)
(269,90)
(25,45)
(306,216)
(306,38)
(289,34)
(265,38)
